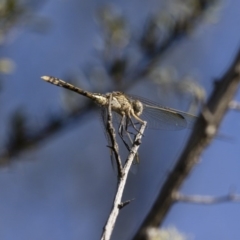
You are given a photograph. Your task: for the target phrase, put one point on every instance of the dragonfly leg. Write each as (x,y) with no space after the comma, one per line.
(127,125)
(121,130)
(133,125)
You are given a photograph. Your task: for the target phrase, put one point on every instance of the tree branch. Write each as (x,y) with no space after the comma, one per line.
(207,200)
(117,204)
(203,132)
(234,105)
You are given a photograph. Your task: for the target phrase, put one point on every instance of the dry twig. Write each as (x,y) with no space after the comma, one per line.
(207,200)
(122,174)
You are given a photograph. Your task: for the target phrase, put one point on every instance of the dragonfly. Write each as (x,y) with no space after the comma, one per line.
(133,109)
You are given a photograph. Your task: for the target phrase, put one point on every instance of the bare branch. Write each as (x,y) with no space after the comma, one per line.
(217,105)
(234,105)
(206,199)
(121,184)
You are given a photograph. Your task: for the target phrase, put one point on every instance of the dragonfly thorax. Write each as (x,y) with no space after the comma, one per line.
(125,106)
(120,103)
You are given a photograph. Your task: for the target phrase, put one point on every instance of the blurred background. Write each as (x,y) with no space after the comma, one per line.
(56,177)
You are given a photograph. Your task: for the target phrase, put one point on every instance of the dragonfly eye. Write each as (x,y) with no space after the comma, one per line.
(137,107)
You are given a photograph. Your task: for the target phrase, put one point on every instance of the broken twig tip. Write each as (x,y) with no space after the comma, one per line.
(138,142)
(123,204)
(109,147)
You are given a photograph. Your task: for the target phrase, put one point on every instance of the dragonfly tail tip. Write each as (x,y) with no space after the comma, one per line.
(45,78)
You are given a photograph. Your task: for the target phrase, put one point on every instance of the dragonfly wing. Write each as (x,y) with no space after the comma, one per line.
(190,118)
(159,117)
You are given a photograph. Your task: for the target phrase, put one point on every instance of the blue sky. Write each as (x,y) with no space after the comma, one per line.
(63,189)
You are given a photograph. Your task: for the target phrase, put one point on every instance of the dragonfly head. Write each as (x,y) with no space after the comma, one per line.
(137,107)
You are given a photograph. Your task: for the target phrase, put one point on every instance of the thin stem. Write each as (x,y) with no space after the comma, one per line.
(107,232)
(112,136)
(206,200)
